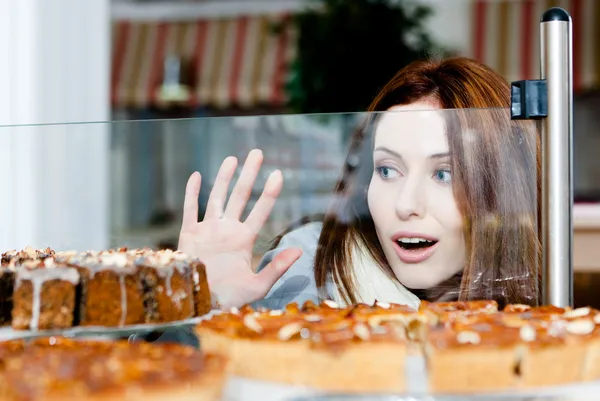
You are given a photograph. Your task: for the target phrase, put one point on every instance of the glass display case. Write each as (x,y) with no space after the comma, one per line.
(408,206)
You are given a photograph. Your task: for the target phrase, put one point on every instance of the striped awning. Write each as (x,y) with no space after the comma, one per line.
(236,62)
(506,37)
(239,62)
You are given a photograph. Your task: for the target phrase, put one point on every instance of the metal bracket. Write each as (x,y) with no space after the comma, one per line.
(529,99)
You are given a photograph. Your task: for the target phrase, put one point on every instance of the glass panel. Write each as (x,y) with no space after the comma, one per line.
(444,201)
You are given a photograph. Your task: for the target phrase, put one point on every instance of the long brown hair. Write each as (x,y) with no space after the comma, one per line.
(495,183)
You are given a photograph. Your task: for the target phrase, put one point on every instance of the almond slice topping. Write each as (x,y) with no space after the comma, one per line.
(581,326)
(527,333)
(312,318)
(331,304)
(289,330)
(579,312)
(361,331)
(251,323)
(468,337)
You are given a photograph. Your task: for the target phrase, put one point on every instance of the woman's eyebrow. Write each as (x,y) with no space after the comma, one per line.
(396,154)
(439,155)
(388,150)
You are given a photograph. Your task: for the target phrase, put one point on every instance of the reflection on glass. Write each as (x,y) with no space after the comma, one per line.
(425,197)
(430,195)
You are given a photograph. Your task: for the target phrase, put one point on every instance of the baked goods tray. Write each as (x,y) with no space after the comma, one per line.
(239,389)
(7,333)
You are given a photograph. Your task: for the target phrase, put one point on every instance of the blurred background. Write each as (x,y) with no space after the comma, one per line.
(107,106)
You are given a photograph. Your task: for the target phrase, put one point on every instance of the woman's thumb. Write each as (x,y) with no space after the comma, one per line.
(272,272)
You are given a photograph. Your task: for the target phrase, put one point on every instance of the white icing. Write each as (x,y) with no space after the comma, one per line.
(115,259)
(166,271)
(38,277)
(123,300)
(168,282)
(178,297)
(196,279)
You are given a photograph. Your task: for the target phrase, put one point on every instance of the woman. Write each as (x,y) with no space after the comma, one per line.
(445,208)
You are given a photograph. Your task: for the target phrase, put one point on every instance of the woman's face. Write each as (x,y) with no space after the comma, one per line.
(410,197)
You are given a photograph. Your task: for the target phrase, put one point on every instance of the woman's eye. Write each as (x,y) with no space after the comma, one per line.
(443,176)
(386,172)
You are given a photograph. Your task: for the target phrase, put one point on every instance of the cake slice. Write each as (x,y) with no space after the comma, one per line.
(478,357)
(56,368)
(317,348)
(168,287)
(415,324)
(44,295)
(591,364)
(202,297)
(112,294)
(553,347)
(7,283)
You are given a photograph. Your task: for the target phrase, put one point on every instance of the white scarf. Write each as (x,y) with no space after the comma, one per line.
(373,284)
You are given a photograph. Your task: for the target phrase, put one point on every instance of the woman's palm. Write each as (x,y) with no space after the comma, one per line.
(223,242)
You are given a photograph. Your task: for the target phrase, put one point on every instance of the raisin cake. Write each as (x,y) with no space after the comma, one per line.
(43,289)
(168,287)
(111,290)
(9,260)
(44,295)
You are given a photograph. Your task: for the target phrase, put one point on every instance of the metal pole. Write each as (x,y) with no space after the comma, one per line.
(557,138)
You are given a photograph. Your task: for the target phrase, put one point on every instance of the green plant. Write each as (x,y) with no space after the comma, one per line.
(348,49)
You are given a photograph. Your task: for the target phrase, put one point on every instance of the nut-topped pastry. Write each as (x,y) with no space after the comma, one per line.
(56,368)
(168,286)
(202,297)
(310,346)
(44,295)
(15,257)
(9,260)
(112,294)
(7,285)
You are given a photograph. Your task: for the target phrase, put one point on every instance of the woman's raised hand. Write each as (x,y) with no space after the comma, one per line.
(223,242)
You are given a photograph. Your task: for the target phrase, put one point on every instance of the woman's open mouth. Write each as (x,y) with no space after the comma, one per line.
(414,249)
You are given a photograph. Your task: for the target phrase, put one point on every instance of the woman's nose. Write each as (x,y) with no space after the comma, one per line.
(410,202)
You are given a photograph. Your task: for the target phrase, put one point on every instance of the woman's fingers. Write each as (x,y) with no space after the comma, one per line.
(218,195)
(190,202)
(243,188)
(263,207)
(272,272)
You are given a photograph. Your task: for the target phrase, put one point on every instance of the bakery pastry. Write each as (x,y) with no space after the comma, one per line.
(552,334)
(202,297)
(521,347)
(28,253)
(44,296)
(112,294)
(310,347)
(56,368)
(469,347)
(7,284)
(472,358)
(9,260)
(168,287)
(109,288)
